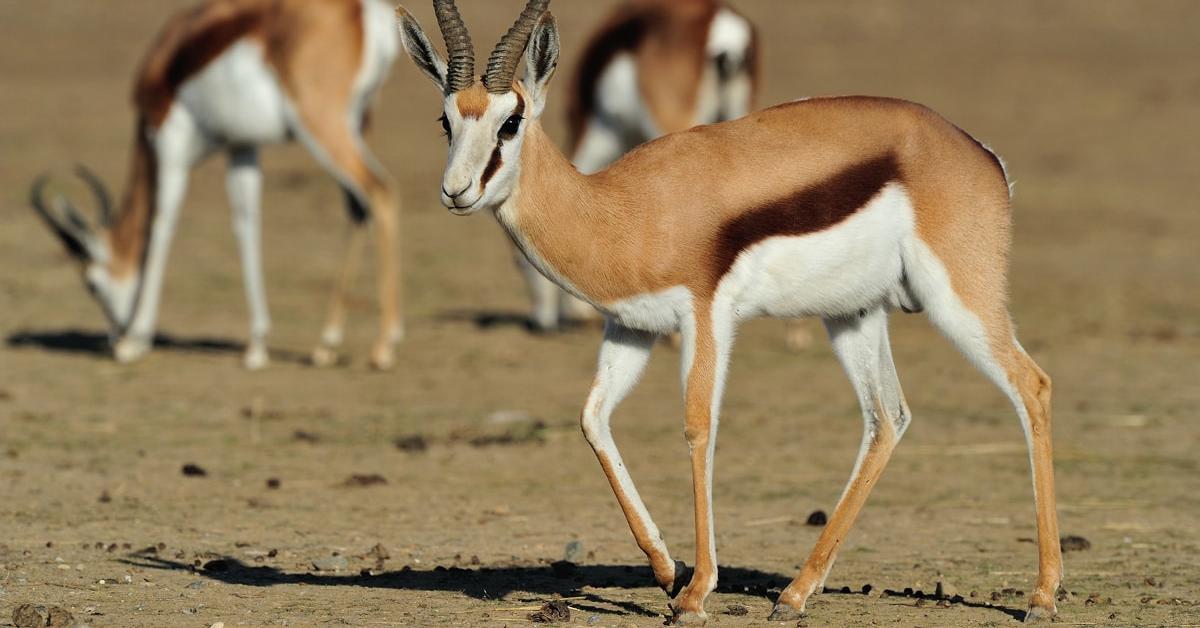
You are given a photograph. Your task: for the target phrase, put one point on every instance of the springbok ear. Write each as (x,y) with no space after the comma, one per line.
(419,48)
(541,60)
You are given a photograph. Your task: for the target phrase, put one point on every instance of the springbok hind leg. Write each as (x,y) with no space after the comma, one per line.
(340,148)
(861,344)
(986,338)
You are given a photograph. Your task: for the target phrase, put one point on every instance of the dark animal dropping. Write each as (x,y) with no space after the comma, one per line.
(194,471)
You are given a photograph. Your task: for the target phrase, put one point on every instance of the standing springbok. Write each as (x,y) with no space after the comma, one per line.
(234,75)
(652,67)
(842,208)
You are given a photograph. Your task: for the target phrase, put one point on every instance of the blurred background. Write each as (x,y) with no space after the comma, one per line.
(468,454)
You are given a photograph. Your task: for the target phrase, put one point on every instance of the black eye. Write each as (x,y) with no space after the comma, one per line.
(445,125)
(511,126)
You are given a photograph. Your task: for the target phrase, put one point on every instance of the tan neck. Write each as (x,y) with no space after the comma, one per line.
(586,228)
(131,227)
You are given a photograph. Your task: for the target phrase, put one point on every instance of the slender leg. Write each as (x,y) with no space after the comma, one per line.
(542,292)
(623,357)
(339,147)
(707,342)
(861,344)
(244,184)
(333,332)
(996,352)
(177,146)
(1033,406)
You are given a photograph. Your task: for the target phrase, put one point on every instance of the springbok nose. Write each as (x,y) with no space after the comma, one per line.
(457,194)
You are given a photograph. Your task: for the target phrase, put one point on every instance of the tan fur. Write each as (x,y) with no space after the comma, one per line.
(473,101)
(316,49)
(667,39)
(127,236)
(641,225)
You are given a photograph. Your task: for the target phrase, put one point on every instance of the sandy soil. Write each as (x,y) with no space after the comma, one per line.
(1093,103)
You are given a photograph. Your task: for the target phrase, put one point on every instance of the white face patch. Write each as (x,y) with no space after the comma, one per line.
(484,153)
(115,296)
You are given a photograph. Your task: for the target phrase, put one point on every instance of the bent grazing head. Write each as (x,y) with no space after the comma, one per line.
(485,118)
(103,274)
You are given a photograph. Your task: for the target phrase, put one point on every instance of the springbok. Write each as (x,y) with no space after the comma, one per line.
(842,208)
(234,75)
(652,67)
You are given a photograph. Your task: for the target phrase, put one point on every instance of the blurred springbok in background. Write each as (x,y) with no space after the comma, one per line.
(234,75)
(840,208)
(652,67)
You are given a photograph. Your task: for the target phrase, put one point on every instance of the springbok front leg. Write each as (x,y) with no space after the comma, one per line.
(244,186)
(623,357)
(178,145)
(861,344)
(707,341)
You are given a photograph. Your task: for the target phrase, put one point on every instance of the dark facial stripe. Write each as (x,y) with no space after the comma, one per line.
(809,210)
(497,160)
(493,166)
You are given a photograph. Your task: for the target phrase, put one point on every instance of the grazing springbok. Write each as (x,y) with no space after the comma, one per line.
(653,67)
(234,75)
(842,208)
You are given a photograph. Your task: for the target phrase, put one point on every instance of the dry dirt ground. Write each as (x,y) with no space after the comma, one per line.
(1095,106)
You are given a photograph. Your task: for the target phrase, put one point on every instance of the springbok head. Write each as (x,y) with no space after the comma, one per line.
(90,245)
(485,118)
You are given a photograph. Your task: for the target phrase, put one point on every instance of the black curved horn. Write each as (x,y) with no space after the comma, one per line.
(99,190)
(70,234)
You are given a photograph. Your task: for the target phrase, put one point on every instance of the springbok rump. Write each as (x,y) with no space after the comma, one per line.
(234,75)
(842,208)
(652,67)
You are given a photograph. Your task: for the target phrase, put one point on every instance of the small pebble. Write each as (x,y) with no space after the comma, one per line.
(28,616)
(332,563)
(737,610)
(1074,544)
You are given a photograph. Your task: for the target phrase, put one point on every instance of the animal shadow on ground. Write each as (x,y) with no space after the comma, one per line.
(76,341)
(491,583)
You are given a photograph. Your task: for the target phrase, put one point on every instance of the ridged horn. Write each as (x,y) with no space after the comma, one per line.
(502,65)
(71,230)
(460,67)
(100,191)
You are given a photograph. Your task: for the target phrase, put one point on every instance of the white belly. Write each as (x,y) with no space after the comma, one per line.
(853,265)
(237,99)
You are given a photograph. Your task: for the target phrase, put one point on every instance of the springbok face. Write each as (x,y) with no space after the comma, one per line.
(115,292)
(485,119)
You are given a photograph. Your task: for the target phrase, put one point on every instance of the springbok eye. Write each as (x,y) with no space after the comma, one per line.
(511,126)
(445,125)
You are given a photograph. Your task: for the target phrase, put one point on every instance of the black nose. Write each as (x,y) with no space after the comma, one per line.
(456,195)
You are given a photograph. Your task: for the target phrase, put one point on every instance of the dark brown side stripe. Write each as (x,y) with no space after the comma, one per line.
(809,210)
(196,44)
(623,32)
